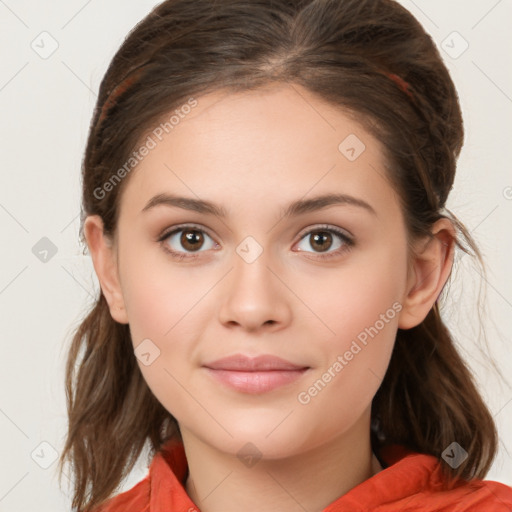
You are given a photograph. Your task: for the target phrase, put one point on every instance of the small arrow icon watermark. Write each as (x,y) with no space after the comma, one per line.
(249,249)
(454,45)
(454,455)
(249,455)
(45,45)
(146,352)
(352,147)
(44,250)
(44,455)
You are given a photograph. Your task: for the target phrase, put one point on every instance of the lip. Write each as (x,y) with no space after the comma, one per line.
(254,375)
(242,363)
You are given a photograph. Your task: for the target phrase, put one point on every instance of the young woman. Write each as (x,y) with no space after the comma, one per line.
(264,191)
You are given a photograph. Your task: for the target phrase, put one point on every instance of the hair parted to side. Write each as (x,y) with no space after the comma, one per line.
(372,59)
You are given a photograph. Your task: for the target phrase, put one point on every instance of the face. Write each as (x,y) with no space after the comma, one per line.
(319,285)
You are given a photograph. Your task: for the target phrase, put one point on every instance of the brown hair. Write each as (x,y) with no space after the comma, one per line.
(369,57)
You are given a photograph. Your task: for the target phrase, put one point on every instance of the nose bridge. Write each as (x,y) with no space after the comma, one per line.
(253,295)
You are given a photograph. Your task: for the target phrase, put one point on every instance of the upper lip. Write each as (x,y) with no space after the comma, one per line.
(240,362)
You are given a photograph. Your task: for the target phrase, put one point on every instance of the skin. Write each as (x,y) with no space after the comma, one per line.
(253,153)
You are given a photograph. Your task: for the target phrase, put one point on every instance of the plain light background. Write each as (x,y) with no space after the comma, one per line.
(46,103)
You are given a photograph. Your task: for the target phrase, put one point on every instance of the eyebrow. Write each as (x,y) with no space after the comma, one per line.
(295,208)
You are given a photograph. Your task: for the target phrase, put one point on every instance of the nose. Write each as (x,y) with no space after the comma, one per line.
(254,296)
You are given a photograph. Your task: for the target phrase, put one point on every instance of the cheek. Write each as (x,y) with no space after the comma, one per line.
(354,363)
(162,312)
(361,306)
(160,298)
(364,293)
(167,310)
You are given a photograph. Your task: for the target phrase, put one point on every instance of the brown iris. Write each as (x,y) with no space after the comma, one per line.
(323,239)
(192,239)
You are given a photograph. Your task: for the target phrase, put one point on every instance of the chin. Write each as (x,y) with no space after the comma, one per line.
(268,437)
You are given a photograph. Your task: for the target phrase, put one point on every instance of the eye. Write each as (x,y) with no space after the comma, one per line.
(323,238)
(183,240)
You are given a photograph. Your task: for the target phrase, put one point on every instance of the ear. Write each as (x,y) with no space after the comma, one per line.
(105,264)
(429,269)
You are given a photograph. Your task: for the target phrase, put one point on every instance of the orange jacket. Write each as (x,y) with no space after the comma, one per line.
(409,482)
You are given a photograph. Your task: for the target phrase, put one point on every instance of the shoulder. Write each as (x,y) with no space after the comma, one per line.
(135,499)
(478,495)
(161,489)
(416,482)
(468,496)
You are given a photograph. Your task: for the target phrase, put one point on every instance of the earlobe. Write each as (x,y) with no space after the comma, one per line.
(105,265)
(429,270)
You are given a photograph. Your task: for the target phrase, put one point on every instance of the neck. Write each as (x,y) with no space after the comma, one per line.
(220,482)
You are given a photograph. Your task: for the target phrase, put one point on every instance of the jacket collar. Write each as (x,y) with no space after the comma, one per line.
(405,473)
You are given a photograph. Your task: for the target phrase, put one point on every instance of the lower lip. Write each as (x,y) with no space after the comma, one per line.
(256,382)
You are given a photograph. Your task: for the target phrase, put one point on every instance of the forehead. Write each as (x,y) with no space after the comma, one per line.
(271,145)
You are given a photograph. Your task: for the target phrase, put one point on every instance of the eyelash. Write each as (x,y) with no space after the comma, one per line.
(348,243)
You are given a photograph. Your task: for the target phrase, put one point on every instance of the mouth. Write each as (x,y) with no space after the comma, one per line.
(254,375)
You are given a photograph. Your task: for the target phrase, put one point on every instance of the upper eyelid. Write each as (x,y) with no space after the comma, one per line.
(326,227)
(181,227)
